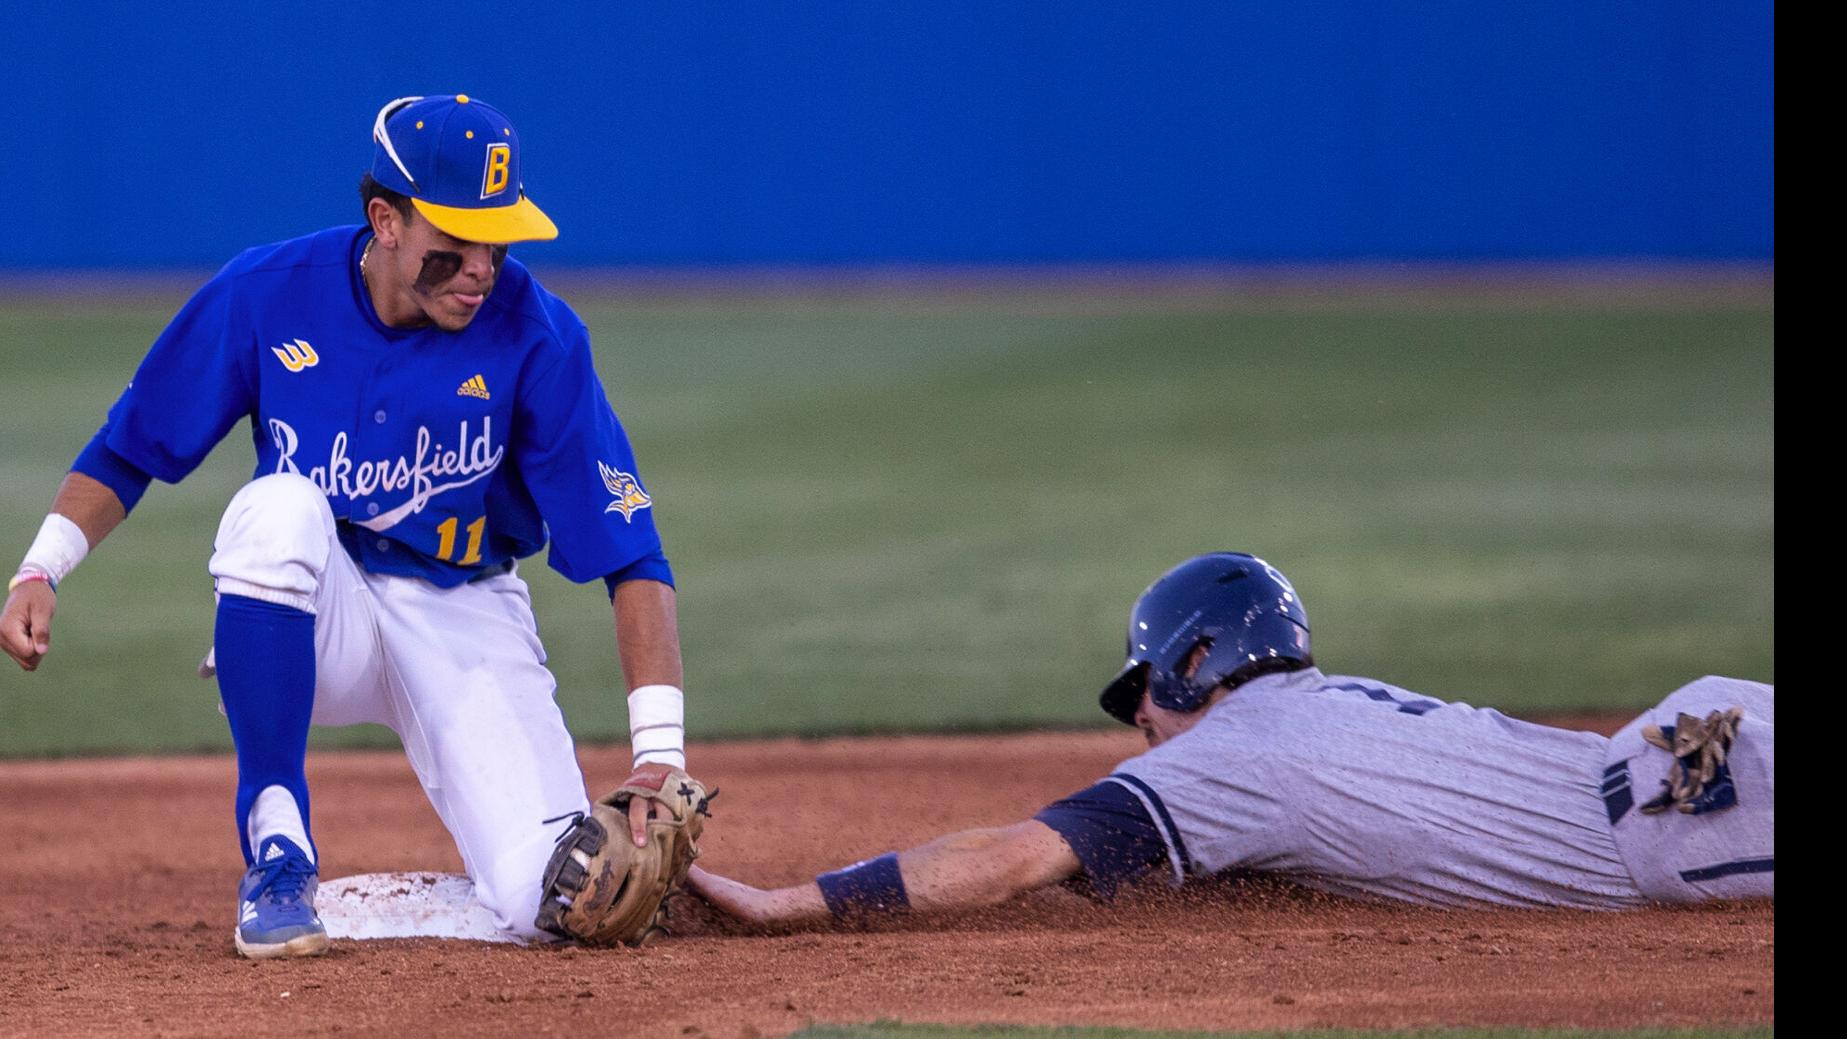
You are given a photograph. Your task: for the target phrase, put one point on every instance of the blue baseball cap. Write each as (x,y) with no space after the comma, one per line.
(458,160)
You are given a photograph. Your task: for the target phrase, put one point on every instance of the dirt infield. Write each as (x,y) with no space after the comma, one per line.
(117,881)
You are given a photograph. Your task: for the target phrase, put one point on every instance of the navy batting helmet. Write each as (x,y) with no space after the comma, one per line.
(1219,619)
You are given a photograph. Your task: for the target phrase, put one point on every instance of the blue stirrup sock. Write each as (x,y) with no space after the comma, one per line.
(265,656)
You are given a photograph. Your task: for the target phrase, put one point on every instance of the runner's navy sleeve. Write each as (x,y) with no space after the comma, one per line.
(195,383)
(576,460)
(1111,833)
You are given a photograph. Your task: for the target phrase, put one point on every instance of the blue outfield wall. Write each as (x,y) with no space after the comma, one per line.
(666,132)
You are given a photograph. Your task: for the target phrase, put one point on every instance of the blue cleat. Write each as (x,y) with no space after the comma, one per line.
(275,904)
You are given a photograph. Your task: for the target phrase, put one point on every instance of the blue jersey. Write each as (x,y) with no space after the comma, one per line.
(443,454)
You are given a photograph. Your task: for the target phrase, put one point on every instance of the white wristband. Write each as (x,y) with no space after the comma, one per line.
(57,550)
(657,725)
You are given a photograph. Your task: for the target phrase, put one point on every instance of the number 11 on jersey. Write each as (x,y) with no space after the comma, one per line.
(446,547)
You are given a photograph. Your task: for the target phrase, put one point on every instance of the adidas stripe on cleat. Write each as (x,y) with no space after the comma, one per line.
(275,904)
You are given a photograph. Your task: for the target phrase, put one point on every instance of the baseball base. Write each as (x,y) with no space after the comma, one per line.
(406,905)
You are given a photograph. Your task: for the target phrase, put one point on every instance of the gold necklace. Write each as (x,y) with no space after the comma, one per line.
(364,255)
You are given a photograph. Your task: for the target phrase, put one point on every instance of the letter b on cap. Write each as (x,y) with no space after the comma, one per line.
(494,180)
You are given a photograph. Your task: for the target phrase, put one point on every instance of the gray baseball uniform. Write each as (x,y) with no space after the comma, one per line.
(1356,787)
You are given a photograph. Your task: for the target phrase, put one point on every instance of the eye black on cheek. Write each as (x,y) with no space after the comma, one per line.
(438,267)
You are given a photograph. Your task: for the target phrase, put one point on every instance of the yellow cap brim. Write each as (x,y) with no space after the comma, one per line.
(500,225)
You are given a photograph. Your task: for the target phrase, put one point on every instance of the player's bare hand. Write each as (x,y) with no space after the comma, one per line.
(802,903)
(642,809)
(638,820)
(746,903)
(25,623)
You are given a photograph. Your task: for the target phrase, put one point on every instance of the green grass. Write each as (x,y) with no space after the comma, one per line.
(930,513)
(895,1030)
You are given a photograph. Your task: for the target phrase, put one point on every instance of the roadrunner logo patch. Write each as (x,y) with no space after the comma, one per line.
(475,387)
(630,498)
(296,355)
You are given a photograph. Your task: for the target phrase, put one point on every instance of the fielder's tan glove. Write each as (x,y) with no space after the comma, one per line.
(602,890)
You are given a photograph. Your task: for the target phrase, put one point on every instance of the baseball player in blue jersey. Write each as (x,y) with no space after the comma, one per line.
(1259,761)
(424,414)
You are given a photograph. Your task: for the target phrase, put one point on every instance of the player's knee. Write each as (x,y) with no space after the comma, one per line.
(277,508)
(510,890)
(274,541)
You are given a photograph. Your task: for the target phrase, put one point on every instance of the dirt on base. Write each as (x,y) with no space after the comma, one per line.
(118,880)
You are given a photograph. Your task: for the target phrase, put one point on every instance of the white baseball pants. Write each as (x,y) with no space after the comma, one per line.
(457,673)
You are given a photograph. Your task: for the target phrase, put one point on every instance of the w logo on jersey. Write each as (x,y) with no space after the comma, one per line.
(630,498)
(296,355)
